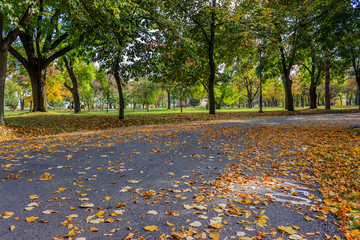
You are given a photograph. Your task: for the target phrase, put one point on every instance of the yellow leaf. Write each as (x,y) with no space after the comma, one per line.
(100,213)
(287,230)
(309,218)
(64,222)
(71,233)
(46,177)
(179,195)
(12,227)
(7,214)
(328,202)
(109,220)
(60,190)
(214,236)
(151,228)
(169,224)
(107,198)
(31,219)
(217,225)
(325,210)
(33,196)
(334,210)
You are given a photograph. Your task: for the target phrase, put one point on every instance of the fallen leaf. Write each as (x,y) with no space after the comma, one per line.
(31,219)
(7,214)
(94,229)
(214,236)
(151,228)
(287,230)
(87,205)
(196,224)
(152,212)
(12,227)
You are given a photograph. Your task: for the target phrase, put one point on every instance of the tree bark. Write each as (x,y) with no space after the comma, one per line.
(119,87)
(356,66)
(327,83)
(169,100)
(3,65)
(38,86)
(313,95)
(212,65)
(74,89)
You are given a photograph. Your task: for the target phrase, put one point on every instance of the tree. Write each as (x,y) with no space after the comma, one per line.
(55,87)
(121,23)
(52,34)
(12,95)
(69,62)
(14,15)
(200,21)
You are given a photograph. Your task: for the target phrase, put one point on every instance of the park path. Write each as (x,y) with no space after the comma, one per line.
(247,179)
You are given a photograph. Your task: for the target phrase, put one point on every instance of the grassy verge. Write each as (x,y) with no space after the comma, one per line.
(25,124)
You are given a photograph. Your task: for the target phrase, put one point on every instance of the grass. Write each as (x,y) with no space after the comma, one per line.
(22,124)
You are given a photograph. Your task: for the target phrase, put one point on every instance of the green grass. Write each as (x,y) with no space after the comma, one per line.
(24,124)
(10,114)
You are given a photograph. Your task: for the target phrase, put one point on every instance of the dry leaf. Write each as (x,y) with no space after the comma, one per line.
(287,230)
(94,229)
(214,236)
(31,219)
(7,214)
(151,228)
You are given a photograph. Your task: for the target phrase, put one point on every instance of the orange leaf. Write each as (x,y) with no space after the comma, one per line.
(31,219)
(151,228)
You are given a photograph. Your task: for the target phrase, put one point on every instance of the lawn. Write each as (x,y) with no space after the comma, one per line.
(24,124)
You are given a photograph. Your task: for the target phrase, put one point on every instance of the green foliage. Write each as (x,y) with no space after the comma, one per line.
(12,93)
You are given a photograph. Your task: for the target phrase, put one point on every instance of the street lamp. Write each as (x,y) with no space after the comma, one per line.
(261,97)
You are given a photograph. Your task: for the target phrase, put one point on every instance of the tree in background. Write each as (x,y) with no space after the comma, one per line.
(56,90)
(12,93)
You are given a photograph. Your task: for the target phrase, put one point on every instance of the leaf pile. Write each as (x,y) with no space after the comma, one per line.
(331,152)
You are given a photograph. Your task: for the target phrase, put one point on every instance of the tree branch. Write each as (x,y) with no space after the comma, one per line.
(197,22)
(56,55)
(10,38)
(20,58)
(58,41)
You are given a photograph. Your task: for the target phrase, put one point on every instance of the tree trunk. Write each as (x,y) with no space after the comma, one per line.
(3,65)
(312,95)
(38,85)
(250,101)
(327,83)
(169,100)
(218,105)
(357,78)
(119,87)
(22,104)
(212,66)
(74,89)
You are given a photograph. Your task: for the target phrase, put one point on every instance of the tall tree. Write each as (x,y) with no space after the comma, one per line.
(49,36)
(200,23)
(14,15)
